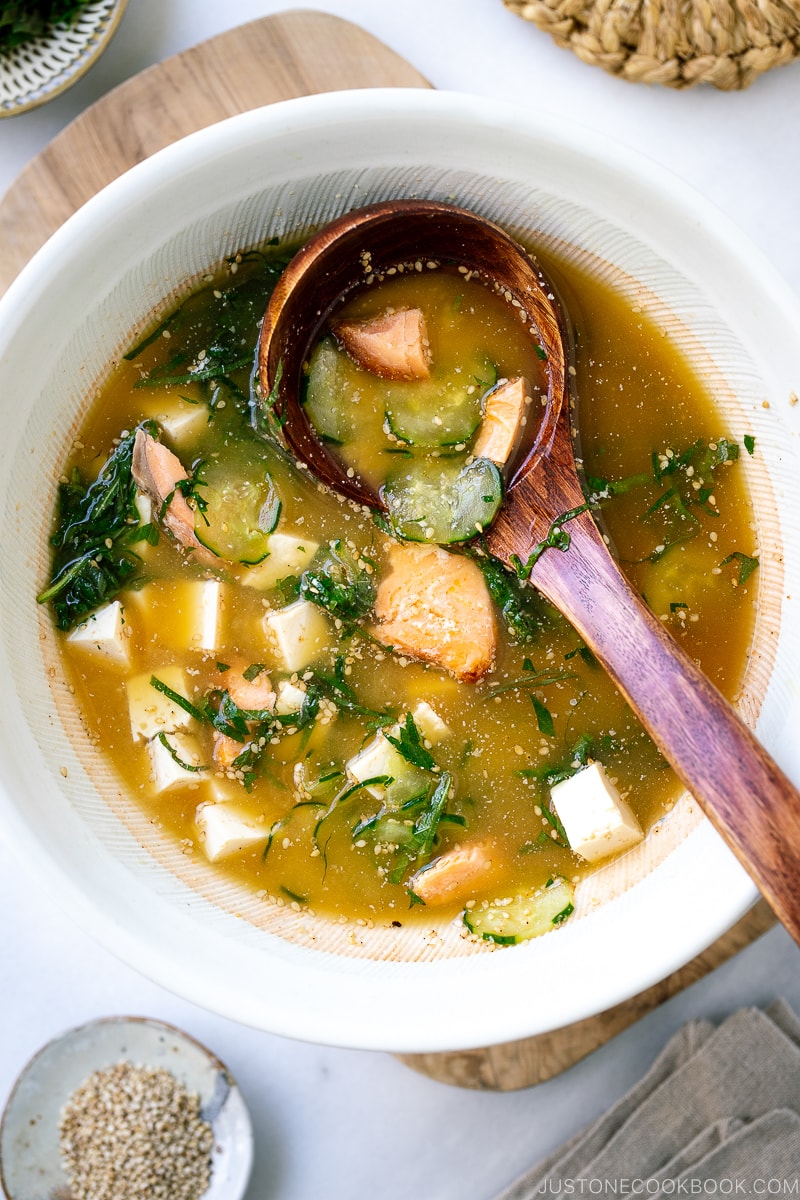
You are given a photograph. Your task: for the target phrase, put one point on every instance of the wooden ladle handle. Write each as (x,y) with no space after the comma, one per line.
(744,793)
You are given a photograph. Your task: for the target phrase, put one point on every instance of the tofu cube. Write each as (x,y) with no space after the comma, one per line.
(290,698)
(225,829)
(597,821)
(301,633)
(144,507)
(430,725)
(167,769)
(152,712)
(200,603)
(181,421)
(379,757)
(289,554)
(104,635)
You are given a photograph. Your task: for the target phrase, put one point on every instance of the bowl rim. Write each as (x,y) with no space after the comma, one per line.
(711,913)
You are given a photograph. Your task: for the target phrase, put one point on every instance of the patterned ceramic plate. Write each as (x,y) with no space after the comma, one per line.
(42,67)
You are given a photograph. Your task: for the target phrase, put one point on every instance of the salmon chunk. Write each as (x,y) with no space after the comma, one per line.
(226,751)
(502,420)
(452,876)
(256,695)
(435,606)
(157,472)
(394,346)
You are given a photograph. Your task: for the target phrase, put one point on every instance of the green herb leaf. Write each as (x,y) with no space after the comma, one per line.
(253,671)
(162,737)
(409,744)
(557,539)
(340,583)
(749,443)
(747,565)
(178,699)
(96,525)
(522,608)
(543,718)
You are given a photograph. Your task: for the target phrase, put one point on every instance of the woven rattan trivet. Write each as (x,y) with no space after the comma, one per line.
(679,43)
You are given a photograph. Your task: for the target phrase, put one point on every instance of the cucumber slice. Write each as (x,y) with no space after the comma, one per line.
(242,508)
(332,393)
(523,917)
(440,411)
(441,500)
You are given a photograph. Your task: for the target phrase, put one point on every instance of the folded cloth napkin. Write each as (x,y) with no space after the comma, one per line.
(718,1113)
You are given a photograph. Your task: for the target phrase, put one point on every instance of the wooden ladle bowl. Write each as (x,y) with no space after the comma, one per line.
(545,528)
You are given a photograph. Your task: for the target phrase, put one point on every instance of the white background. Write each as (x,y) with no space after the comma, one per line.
(340,1124)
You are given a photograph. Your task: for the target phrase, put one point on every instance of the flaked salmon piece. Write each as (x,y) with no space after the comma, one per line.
(435,606)
(226,750)
(256,695)
(453,875)
(505,409)
(157,472)
(394,346)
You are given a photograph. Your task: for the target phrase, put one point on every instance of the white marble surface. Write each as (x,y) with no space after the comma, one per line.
(342,1124)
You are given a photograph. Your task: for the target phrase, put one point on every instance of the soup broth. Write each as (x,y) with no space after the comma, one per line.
(243,687)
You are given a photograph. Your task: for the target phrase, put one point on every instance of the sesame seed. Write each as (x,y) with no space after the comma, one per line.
(130,1131)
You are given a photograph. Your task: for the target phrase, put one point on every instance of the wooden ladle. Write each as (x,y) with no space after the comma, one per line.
(744,793)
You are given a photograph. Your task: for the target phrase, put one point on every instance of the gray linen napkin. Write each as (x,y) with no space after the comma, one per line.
(718,1106)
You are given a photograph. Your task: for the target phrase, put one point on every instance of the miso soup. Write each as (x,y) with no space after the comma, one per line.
(376,720)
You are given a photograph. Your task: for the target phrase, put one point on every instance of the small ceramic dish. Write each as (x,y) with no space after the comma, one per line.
(43,67)
(30,1161)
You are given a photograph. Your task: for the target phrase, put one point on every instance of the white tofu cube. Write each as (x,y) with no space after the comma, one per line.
(596,819)
(144,507)
(182,421)
(225,829)
(175,763)
(430,725)
(378,757)
(301,633)
(105,635)
(289,554)
(290,697)
(151,711)
(200,604)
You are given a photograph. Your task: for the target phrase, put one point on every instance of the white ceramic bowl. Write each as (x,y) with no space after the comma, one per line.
(83,299)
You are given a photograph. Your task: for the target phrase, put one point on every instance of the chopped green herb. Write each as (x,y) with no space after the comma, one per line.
(21,20)
(165,742)
(747,565)
(97,523)
(522,608)
(340,583)
(534,679)
(543,717)
(749,443)
(178,699)
(253,671)
(409,744)
(557,539)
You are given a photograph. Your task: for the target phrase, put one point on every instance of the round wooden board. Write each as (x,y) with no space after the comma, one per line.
(295,53)
(290,54)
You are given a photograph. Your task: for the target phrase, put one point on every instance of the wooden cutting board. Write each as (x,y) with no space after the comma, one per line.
(289,54)
(295,53)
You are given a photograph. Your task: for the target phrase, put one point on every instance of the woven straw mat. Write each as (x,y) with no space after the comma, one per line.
(677,43)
